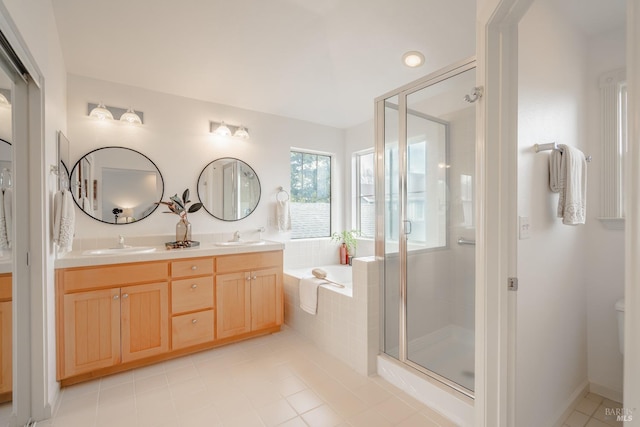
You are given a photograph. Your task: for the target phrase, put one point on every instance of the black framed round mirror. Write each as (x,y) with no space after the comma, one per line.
(116,185)
(229,189)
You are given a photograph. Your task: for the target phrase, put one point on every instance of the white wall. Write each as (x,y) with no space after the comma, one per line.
(175,136)
(604,265)
(36,24)
(551,352)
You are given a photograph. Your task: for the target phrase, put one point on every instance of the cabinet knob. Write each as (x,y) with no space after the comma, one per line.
(116,296)
(254,277)
(248,277)
(125,295)
(194,267)
(194,321)
(194,286)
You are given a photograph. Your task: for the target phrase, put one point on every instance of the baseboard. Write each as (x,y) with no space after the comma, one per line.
(603,391)
(571,403)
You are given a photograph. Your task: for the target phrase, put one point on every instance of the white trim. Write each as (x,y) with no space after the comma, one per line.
(632,223)
(10,31)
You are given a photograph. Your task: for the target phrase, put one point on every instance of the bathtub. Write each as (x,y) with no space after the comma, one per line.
(341,274)
(346,323)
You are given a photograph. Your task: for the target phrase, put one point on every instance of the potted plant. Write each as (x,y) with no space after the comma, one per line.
(179,207)
(348,243)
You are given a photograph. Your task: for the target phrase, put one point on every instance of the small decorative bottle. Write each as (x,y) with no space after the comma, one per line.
(343,254)
(183,231)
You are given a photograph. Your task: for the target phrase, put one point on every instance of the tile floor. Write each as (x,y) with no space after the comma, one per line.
(594,411)
(276,380)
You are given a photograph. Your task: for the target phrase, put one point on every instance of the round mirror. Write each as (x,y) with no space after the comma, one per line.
(116,185)
(229,189)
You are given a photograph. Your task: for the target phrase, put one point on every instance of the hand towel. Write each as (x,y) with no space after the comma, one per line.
(309,293)
(86,206)
(569,179)
(7,203)
(283,215)
(4,238)
(63,220)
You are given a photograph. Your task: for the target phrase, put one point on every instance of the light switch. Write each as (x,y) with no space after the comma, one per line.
(524,227)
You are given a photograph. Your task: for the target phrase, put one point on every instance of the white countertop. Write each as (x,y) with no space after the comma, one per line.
(76,259)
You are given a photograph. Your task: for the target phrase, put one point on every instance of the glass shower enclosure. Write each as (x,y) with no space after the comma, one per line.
(425,153)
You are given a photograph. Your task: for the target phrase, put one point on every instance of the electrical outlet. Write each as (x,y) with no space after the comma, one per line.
(524,227)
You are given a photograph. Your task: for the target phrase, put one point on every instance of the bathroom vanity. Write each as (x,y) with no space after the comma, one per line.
(119,312)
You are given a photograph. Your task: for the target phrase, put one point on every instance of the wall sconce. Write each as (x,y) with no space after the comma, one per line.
(106,112)
(223,129)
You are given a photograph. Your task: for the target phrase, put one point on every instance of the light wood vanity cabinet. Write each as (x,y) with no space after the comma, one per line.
(248,293)
(6,366)
(192,302)
(116,317)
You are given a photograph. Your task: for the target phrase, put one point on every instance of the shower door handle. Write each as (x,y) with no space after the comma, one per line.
(407,227)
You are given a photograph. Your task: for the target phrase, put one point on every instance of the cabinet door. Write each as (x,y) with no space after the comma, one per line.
(5,349)
(233,304)
(266,298)
(91,330)
(145,320)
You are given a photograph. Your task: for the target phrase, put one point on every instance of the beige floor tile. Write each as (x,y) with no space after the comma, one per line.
(304,401)
(84,403)
(606,412)
(345,403)
(118,419)
(233,405)
(594,397)
(81,389)
(182,373)
(294,422)
(593,422)
(147,383)
(246,419)
(188,403)
(276,413)
(372,393)
(76,419)
(187,387)
(587,406)
(418,420)
(577,419)
(122,407)
(290,385)
(395,409)
(322,416)
(116,379)
(147,371)
(368,418)
(123,391)
(204,417)
(263,397)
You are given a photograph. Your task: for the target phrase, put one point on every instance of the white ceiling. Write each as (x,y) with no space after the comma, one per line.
(322,61)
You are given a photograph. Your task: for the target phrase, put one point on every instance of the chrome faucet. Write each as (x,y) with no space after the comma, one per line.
(121,244)
(260,231)
(236,236)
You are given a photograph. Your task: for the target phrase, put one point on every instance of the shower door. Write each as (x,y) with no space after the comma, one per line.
(426,135)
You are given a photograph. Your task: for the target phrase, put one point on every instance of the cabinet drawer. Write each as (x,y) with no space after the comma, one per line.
(192,329)
(114,275)
(192,267)
(251,261)
(191,294)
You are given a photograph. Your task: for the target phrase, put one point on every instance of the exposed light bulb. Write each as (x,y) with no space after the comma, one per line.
(4,100)
(222,130)
(241,133)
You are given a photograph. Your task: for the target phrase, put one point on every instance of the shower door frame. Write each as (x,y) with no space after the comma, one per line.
(380,104)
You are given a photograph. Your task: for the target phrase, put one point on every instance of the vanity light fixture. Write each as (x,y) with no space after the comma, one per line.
(101,112)
(131,117)
(106,112)
(223,129)
(4,100)
(413,59)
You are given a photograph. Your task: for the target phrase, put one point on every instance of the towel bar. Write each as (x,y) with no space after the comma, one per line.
(553,146)
(282,191)
(462,241)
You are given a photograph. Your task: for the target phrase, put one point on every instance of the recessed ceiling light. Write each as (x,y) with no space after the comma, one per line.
(413,59)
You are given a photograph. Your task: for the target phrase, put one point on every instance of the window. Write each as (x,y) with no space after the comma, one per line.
(310,195)
(365,207)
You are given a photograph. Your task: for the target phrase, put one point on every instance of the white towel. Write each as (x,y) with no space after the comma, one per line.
(64,218)
(86,206)
(309,293)
(4,237)
(568,177)
(283,215)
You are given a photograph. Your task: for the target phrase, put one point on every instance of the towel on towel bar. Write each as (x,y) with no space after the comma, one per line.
(283,215)
(568,177)
(309,293)
(64,219)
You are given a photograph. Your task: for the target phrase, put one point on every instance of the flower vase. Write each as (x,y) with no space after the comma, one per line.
(183,231)
(343,254)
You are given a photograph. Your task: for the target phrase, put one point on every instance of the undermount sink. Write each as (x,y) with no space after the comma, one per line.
(118,251)
(241,243)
